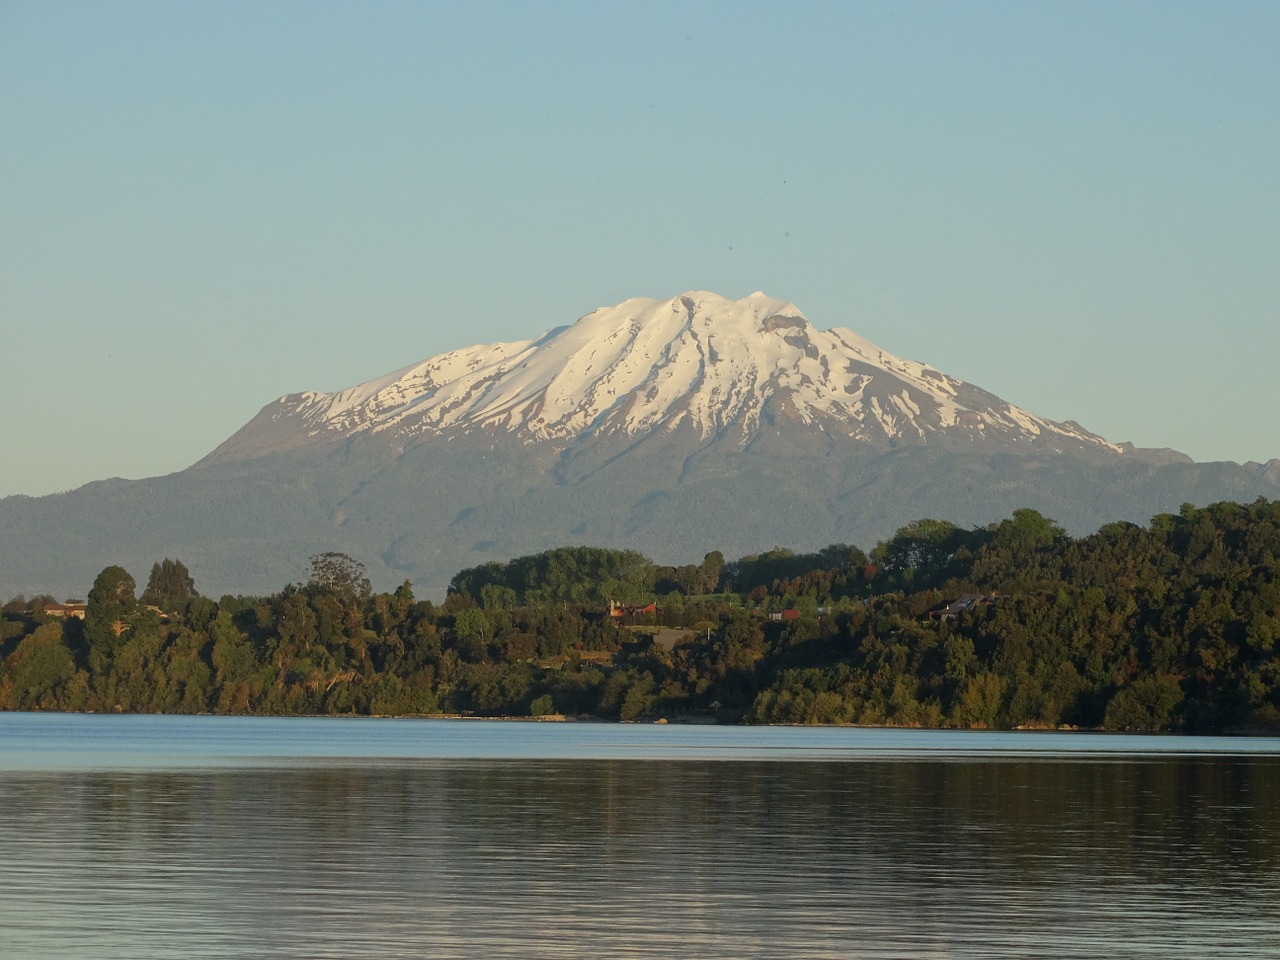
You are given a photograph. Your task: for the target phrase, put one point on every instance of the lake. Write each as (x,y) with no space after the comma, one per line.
(150,837)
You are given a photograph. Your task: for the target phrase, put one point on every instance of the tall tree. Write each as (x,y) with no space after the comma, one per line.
(709,572)
(338,574)
(923,552)
(170,586)
(109,611)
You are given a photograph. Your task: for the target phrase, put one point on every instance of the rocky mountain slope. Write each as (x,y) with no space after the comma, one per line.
(669,426)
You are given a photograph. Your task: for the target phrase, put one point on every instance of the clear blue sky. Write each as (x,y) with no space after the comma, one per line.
(205,206)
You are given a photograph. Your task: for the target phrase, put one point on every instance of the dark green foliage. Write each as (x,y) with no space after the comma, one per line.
(573,575)
(926,553)
(836,570)
(338,574)
(109,613)
(170,586)
(1174,626)
(42,673)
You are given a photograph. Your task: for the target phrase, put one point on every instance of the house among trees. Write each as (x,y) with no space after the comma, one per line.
(970,601)
(71,608)
(619,612)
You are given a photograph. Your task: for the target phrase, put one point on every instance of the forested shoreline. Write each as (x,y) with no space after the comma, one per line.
(1174,625)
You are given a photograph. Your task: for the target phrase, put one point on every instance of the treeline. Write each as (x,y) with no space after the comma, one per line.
(1171,626)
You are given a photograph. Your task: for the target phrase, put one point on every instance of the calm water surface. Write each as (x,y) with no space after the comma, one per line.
(146,837)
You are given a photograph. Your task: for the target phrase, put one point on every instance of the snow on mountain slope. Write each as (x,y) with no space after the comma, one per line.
(698,361)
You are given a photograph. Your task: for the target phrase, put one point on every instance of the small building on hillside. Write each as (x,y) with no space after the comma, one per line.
(620,612)
(970,601)
(66,610)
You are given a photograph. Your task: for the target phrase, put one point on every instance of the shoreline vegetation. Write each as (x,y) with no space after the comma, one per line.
(1171,626)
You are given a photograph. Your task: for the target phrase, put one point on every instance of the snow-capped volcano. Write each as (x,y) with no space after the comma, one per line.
(672,427)
(697,361)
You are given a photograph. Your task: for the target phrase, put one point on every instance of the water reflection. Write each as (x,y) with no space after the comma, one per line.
(562,858)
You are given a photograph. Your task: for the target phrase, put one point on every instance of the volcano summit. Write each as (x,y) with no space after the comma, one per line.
(713,366)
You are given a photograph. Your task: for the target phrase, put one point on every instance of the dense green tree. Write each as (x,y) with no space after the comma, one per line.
(338,574)
(170,586)
(1148,703)
(565,575)
(109,612)
(1027,528)
(924,553)
(42,673)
